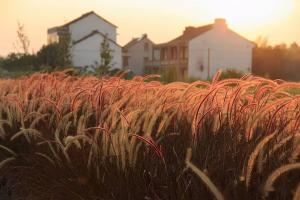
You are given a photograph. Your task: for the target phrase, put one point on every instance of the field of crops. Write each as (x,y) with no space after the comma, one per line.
(65,137)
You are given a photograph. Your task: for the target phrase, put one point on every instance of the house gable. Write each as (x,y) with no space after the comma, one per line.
(215,37)
(86,15)
(83,26)
(86,51)
(136,53)
(90,23)
(219,48)
(95,32)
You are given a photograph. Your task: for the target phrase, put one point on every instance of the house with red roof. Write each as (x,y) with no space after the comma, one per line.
(199,52)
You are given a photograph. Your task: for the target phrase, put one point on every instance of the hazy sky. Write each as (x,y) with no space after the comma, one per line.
(162,20)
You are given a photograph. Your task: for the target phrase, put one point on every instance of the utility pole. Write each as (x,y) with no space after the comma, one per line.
(208,64)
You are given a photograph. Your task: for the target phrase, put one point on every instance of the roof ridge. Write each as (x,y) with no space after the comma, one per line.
(184,36)
(93,33)
(85,15)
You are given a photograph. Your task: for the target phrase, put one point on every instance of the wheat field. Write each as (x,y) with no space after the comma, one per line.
(67,137)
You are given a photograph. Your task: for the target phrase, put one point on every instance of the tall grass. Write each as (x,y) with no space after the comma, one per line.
(64,137)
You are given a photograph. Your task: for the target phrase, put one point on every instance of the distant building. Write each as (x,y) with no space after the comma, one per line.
(137,53)
(87,33)
(200,51)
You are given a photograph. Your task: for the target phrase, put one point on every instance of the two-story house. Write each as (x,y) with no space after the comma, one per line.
(137,53)
(201,51)
(87,33)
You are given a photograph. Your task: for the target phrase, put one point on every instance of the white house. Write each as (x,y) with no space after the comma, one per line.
(87,33)
(137,53)
(200,51)
(218,48)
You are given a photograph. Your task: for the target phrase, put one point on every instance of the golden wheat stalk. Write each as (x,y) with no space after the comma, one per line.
(212,187)
(6,161)
(253,156)
(297,193)
(268,187)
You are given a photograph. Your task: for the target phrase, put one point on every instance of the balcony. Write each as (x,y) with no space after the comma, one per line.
(182,63)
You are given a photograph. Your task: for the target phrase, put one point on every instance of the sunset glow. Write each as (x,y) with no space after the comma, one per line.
(161,20)
(263,12)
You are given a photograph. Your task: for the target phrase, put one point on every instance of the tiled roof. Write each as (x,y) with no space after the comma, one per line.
(135,40)
(132,42)
(188,34)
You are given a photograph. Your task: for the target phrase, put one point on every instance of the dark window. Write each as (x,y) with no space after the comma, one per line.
(201,67)
(125,61)
(183,52)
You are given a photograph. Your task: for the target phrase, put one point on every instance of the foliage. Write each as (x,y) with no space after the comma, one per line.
(19,62)
(106,57)
(231,73)
(170,74)
(56,54)
(167,74)
(23,42)
(64,137)
(277,62)
(64,48)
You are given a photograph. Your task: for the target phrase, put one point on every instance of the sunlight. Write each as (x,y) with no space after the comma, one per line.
(251,13)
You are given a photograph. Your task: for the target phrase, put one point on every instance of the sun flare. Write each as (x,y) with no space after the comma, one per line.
(251,13)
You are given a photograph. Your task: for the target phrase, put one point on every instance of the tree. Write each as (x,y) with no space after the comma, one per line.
(49,55)
(56,54)
(277,62)
(106,57)
(19,62)
(64,47)
(23,41)
(262,42)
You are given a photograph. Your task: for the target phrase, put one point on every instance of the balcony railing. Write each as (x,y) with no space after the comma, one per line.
(163,63)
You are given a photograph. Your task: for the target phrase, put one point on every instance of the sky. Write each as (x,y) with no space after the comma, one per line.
(162,20)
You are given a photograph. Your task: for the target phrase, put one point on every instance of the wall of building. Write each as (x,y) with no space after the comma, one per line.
(87,52)
(219,48)
(52,38)
(137,56)
(90,23)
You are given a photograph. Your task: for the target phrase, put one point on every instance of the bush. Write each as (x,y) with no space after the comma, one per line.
(231,73)
(19,62)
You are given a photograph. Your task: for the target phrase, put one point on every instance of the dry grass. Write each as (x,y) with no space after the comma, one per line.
(64,137)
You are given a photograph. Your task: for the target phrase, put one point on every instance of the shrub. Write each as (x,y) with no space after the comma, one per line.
(231,73)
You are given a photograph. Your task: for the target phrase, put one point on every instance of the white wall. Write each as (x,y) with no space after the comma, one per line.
(137,54)
(52,38)
(227,50)
(90,23)
(87,52)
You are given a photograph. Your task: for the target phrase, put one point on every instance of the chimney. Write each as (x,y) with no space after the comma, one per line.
(220,23)
(144,35)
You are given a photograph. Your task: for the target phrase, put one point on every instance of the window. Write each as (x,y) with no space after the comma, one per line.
(146,46)
(173,53)
(183,52)
(163,55)
(201,68)
(125,61)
